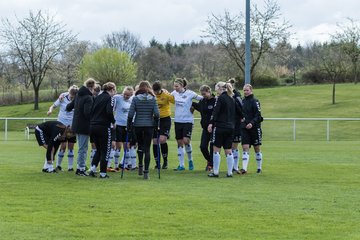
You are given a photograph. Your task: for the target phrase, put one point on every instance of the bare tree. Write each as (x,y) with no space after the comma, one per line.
(35,41)
(349,37)
(124,41)
(331,60)
(266,30)
(68,66)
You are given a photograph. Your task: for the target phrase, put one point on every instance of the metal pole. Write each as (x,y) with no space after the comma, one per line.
(247,45)
(6,129)
(294,130)
(328,130)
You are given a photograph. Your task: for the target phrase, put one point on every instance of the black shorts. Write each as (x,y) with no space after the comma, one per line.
(41,137)
(120,135)
(223,137)
(183,130)
(237,135)
(92,139)
(165,126)
(113,134)
(251,136)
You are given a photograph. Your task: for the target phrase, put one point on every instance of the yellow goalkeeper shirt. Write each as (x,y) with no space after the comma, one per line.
(163,100)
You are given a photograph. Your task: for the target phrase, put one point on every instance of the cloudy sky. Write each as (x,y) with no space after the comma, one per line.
(179,20)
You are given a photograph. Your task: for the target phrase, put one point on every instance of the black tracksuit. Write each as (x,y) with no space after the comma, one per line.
(206,107)
(100,128)
(50,133)
(224,112)
(238,116)
(82,108)
(251,112)
(223,120)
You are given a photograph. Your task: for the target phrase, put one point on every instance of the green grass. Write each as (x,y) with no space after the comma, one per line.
(308,190)
(312,101)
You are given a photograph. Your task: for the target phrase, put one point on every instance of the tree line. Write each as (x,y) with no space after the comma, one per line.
(39,52)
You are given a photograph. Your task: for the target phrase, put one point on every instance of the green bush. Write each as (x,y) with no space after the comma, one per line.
(265,81)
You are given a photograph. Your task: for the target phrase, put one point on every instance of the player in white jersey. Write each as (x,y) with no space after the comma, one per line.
(65,118)
(184,121)
(122,104)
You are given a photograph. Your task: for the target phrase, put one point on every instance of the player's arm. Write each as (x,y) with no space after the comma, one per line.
(110,110)
(171,98)
(257,116)
(215,113)
(88,107)
(196,106)
(55,105)
(70,106)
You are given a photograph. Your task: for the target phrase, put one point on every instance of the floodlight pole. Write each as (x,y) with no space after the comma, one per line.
(247,44)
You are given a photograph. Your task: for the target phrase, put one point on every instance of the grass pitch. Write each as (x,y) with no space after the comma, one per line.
(308,190)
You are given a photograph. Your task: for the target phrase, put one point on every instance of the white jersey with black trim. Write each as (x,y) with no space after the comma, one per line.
(183,102)
(64,117)
(121,109)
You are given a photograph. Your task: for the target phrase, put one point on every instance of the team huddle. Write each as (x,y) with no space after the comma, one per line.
(126,124)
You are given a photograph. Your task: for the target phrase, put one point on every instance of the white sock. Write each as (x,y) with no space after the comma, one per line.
(93,168)
(259,160)
(70,158)
(245,160)
(61,154)
(235,153)
(111,156)
(230,163)
(93,151)
(133,156)
(45,164)
(127,158)
(102,174)
(188,150)
(116,157)
(122,159)
(216,159)
(181,156)
(50,167)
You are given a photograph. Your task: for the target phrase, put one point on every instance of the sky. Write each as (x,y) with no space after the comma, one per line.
(179,20)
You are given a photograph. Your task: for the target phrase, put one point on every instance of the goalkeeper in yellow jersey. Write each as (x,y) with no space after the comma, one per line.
(164,99)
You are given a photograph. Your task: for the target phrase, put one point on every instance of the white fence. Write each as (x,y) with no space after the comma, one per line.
(25,118)
(294,122)
(327,120)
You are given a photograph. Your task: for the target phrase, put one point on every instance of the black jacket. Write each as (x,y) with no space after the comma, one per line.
(53,131)
(205,107)
(251,111)
(102,112)
(224,112)
(82,105)
(238,112)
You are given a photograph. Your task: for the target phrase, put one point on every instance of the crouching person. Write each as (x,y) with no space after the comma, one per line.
(50,135)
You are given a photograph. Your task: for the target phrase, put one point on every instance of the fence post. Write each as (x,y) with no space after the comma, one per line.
(6,129)
(328,130)
(294,130)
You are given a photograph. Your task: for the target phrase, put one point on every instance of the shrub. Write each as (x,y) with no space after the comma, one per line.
(265,81)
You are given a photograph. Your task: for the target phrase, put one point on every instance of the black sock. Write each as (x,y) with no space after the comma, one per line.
(155,151)
(140,156)
(164,151)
